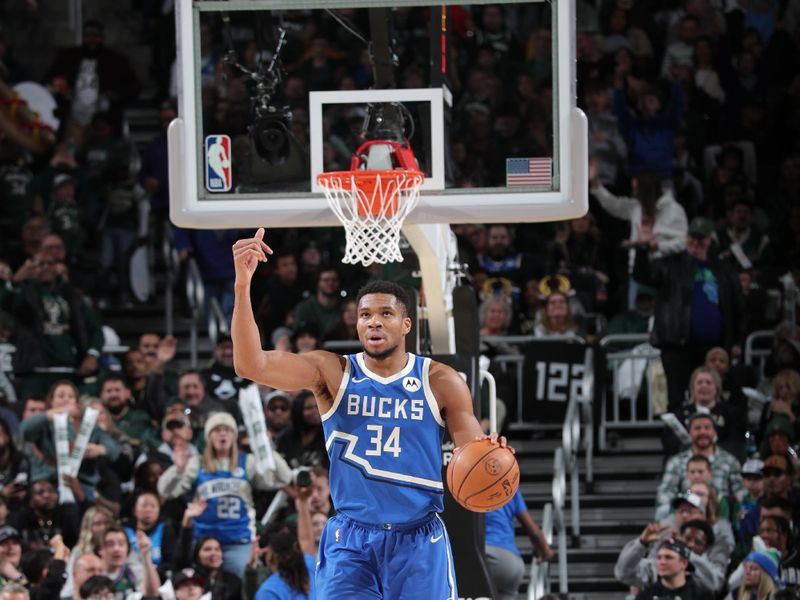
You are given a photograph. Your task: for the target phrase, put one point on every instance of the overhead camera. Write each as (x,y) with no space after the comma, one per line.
(271,135)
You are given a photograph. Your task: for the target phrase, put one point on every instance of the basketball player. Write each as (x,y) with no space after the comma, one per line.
(383,411)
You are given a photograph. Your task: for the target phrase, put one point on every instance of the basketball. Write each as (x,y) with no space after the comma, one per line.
(482,476)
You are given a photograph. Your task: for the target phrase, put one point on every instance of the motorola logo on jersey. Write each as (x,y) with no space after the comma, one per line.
(385,408)
(412,384)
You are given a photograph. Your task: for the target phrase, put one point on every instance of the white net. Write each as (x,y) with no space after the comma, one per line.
(372,206)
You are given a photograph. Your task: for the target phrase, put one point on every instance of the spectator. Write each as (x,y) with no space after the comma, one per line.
(220,378)
(753,479)
(725,468)
(324,306)
(304,443)
(192,393)
(723,532)
(10,556)
(65,214)
(292,560)
(43,518)
(705,395)
(188,585)
(634,566)
(778,437)
(739,239)
(648,131)
(98,587)
(557,318)
(495,317)
(507,267)
(126,573)
(14,591)
(305,337)
(785,401)
(606,145)
(503,559)
(38,430)
(133,422)
(208,564)
(276,412)
(653,209)
(85,568)
(96,77)
(699,305)
(639,319)
(176,435)
(672,560)
(227,517)
(14,469)
(778,476)
(275,296)
(760,577)
(67,332)
(320,499)
(158,353)
(774,535)
(147,519)
(149,390)
(45,569)
(348,317)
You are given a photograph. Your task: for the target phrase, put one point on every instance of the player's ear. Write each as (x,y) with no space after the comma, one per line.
(406,325)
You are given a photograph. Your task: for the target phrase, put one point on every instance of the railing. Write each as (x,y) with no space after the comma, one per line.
(217,322)
(195,297)
(518,360)
(632,379)
(539,583)
(171,264)
(559,497)
(754,356)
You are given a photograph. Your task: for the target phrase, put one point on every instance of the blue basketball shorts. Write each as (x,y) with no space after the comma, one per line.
(374,562)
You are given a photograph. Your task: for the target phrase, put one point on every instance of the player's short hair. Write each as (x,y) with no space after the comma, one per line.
(386,287)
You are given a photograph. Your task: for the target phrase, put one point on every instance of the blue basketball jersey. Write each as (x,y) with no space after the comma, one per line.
(384,440)
(229,513)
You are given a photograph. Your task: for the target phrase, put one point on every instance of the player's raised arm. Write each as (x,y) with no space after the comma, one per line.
(455,400)
(281,370)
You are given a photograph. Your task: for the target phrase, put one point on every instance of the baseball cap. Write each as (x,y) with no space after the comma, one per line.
(185,576)
(61,179)
(776,461)
(689,498)
(701,226)
(780,423)
(175,417)
(753,466)
(8,533)
(277,395)
(676,546)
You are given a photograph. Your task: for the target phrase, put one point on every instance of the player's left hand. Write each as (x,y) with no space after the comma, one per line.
(495,438)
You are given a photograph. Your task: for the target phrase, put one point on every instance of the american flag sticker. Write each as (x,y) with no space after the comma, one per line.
(529,172)
(218,163)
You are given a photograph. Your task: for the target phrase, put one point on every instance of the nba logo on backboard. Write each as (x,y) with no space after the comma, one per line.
(218,163)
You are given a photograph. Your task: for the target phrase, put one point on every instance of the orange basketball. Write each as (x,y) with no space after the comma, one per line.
(482,476)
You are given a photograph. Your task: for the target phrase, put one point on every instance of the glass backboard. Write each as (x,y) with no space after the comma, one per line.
(273,92)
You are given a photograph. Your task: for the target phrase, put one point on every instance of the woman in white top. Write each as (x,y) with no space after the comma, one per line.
(652,208)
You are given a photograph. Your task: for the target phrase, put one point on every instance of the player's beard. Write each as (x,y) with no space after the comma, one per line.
(381,355)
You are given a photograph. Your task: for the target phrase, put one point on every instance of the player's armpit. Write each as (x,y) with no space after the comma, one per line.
(455,402)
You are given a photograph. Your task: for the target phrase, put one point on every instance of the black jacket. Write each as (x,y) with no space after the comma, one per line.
(689,591)
(673,277)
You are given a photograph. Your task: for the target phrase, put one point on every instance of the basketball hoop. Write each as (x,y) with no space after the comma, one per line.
(372,206)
